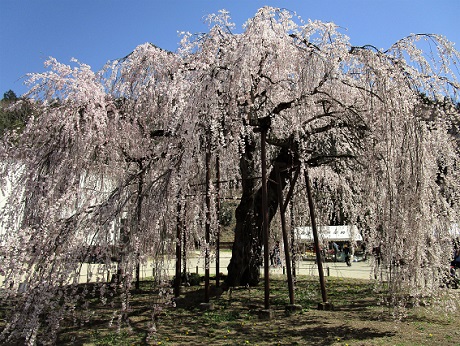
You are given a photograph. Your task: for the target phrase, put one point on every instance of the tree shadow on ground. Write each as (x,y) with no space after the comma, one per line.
(329,334)
(193,296)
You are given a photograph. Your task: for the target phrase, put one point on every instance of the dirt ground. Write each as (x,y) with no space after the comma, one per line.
(359,317)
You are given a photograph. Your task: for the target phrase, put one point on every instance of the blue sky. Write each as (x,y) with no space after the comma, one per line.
(95,31)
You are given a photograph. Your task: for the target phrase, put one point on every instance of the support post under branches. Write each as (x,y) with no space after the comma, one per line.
(208,221)
(218,221)
(285,237)
(265,222)
(315,237)
(177,281)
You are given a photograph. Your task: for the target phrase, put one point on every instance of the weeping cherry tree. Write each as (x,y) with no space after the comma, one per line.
(110,160)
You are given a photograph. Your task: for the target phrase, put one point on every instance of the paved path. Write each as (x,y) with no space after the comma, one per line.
(359,270)
(195,263)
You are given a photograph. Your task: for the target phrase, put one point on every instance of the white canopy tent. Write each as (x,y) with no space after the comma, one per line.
(330,233)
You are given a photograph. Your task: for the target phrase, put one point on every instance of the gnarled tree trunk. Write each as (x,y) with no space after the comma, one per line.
(244,267)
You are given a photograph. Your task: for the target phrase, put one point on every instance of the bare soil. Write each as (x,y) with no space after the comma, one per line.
(359,317)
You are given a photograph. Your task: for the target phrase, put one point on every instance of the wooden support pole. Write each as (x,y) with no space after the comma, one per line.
(208,221)
(293,243)
(262,126)
(177,281)
(285,237)
(315,237)
(265,228)
(140,198)
(218,221)
(184,241)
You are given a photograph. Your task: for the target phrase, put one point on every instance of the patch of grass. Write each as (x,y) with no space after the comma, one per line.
(112,338)
(358,318)
(217,317)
